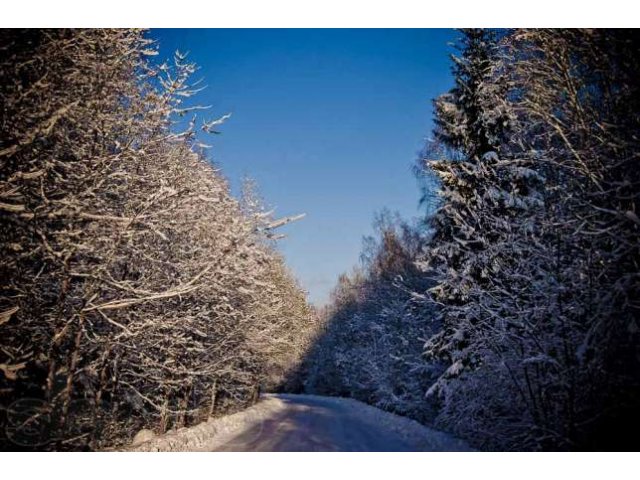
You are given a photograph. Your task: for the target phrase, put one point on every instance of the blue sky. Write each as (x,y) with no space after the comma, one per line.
(328,122)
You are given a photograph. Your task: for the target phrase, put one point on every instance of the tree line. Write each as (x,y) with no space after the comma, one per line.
(509,315)
(136,291)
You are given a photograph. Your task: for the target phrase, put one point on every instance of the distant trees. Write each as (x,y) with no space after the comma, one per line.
(135,292)
(371,346)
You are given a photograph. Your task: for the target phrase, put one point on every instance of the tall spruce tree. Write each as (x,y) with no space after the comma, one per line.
(467,118)
(535,241)
(481,242)
(470,124)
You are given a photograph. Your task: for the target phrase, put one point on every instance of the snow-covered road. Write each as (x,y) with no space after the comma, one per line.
(311,423)
(288,423)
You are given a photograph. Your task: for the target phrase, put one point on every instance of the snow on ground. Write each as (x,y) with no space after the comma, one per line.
(282,422)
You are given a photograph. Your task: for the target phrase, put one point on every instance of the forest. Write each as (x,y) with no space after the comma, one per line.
(138,293)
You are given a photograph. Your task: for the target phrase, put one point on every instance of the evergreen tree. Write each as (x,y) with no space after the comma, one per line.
(468,119)
(484,236)
(471,122)
(534,290)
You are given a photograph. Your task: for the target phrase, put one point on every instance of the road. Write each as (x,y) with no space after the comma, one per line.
(311,423)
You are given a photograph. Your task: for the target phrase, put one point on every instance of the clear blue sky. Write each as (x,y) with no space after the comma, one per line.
(328,122)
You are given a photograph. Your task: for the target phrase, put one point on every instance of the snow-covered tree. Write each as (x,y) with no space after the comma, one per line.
(134,287)
(471,119)
(577,97)
(534,242)
(477,188)
(374,329)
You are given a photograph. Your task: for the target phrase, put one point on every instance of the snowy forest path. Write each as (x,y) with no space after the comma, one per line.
(315,423)
(305,423)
